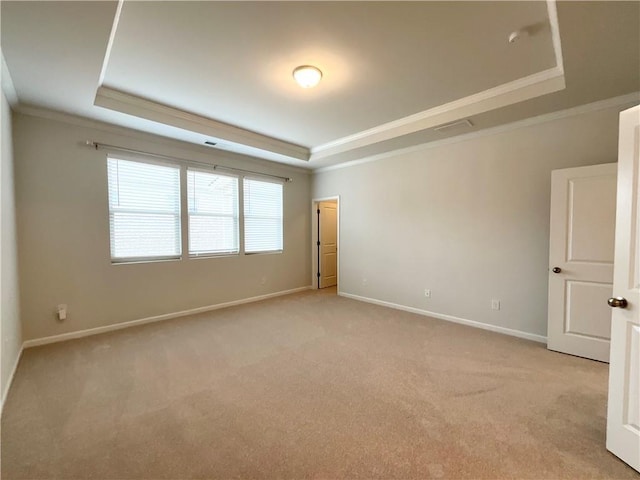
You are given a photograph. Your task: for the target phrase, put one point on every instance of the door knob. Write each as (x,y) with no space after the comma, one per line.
(618,302)
(556,269)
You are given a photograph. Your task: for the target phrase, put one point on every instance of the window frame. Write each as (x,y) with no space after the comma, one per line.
(178,216)
(238,199)
(259,178)
(183,216)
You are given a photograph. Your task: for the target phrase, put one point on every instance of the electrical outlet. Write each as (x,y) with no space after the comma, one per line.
(495,304)
(364,281)
(427,293)
(62,312)
(263,281)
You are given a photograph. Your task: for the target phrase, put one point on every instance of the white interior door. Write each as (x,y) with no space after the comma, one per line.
(623,415)
(582,231)
(328,244)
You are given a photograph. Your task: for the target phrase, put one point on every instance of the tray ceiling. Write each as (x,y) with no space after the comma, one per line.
(392,71)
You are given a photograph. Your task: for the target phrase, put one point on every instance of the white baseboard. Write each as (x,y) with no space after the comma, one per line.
(450,318)
(158,318)
(3,400)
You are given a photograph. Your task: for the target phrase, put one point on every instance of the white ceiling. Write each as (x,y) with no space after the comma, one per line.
(221,71)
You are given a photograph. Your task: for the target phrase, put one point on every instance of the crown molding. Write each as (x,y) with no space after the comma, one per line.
(236,139)
(232,157)
(622,101)
(250,144)
(532,86)
(540,83)
(7,83)
(139,107)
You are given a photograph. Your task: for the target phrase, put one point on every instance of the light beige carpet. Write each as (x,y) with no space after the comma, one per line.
(306,386)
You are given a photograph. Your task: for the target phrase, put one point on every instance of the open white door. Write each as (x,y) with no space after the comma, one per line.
(328,225)
(623,415)
(581,249)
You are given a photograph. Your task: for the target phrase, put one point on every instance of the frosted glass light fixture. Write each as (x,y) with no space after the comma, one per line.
(307,76)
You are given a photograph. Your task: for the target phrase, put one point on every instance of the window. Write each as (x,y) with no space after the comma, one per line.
(144,210)
(145,206)
(262,216)
(213,213)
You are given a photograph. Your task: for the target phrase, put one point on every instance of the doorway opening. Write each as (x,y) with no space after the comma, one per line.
(325,234)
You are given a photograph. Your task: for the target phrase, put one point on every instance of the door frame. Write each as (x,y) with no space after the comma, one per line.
(314,237)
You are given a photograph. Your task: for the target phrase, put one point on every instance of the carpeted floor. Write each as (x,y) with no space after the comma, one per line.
(309,385)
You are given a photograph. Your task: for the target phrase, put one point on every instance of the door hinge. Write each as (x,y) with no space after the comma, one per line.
(318,211)
(318,274)
(318,242)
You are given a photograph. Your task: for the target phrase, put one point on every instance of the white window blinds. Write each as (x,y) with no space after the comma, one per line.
(144,210)
(262,216)
(213,213)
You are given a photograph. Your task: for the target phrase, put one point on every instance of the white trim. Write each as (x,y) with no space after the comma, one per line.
(327,199)
(10,380)
(531,86)
(621,101)
(133,105)
(450,318)
(7,83)
(552,12)
(314,238)
(158,318)
(85,122)
(112,36)
(541,83)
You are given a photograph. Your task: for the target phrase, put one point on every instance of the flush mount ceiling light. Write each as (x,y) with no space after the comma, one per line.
(307,76)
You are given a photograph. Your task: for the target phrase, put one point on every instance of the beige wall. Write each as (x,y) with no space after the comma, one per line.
(10,330)
(61,191)
(468,220)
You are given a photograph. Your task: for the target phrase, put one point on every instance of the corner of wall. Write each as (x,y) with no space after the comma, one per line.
(10,327)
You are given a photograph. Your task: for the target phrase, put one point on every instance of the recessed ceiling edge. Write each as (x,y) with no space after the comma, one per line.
(122,102)
(541,83)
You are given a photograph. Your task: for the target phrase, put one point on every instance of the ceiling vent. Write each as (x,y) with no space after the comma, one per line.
(456,126)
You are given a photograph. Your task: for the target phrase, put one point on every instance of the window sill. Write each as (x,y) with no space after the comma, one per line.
(270,252)
(135,261)
(214,255)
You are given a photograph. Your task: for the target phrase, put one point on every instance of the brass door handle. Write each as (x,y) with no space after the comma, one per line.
(617,302)
(556,269)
